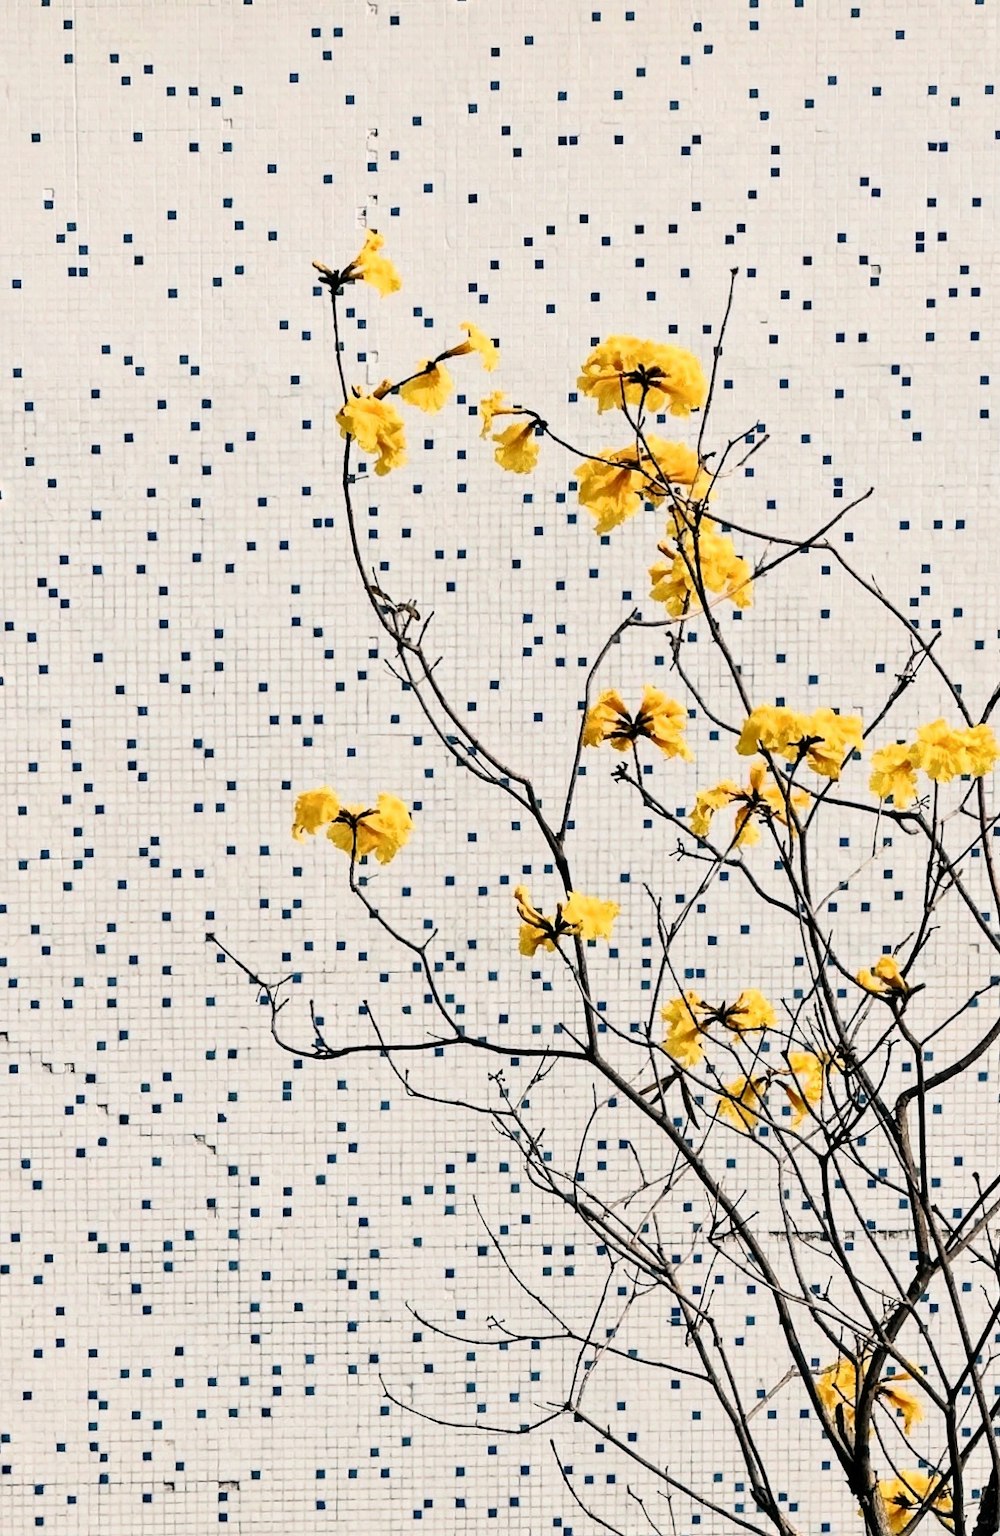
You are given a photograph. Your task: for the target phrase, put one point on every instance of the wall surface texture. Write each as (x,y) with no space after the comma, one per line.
(213,1253)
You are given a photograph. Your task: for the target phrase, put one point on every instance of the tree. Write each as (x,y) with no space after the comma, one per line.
(771,1118)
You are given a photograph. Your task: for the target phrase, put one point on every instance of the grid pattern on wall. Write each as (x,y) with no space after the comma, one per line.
(214,1253)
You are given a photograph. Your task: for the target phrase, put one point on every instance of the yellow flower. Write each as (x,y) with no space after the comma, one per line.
(894,773)
(690,1018)
(944,753)
(772,727)
(581,916)
(313,809)
(537,930)
(478,342)
(754,802)
(902,1399)
(809,1074)
(908,1491)
(722,570)
(751,1011)
(884,978)
(706,554)
(672,586)
(674,464)
(708,801)
(663,720)
(839,735)
(659,718)
(590,917)
(492,405)
(519,447)
(777,729)
(683,520)
(382,829)
(373,268)
(664,376)
(430,389)
(378,427)
(683,1040)
(613,492)
(837,1387)
(608,720)
(982,747)
(740,1101)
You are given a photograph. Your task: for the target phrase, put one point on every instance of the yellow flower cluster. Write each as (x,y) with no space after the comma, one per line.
(740,1101)
(519,443)
(803,1082)
(823,738)
(432,384)
(941,751)
(673,464)
(837,1387)
(660,719)
(368,265)
(613,484)
(624,369)
(381,829)
(885,979)
(809,1071)
(756,802)
(690,1019)
(369,418)
(910,1491)
(579,916)
(697,556)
